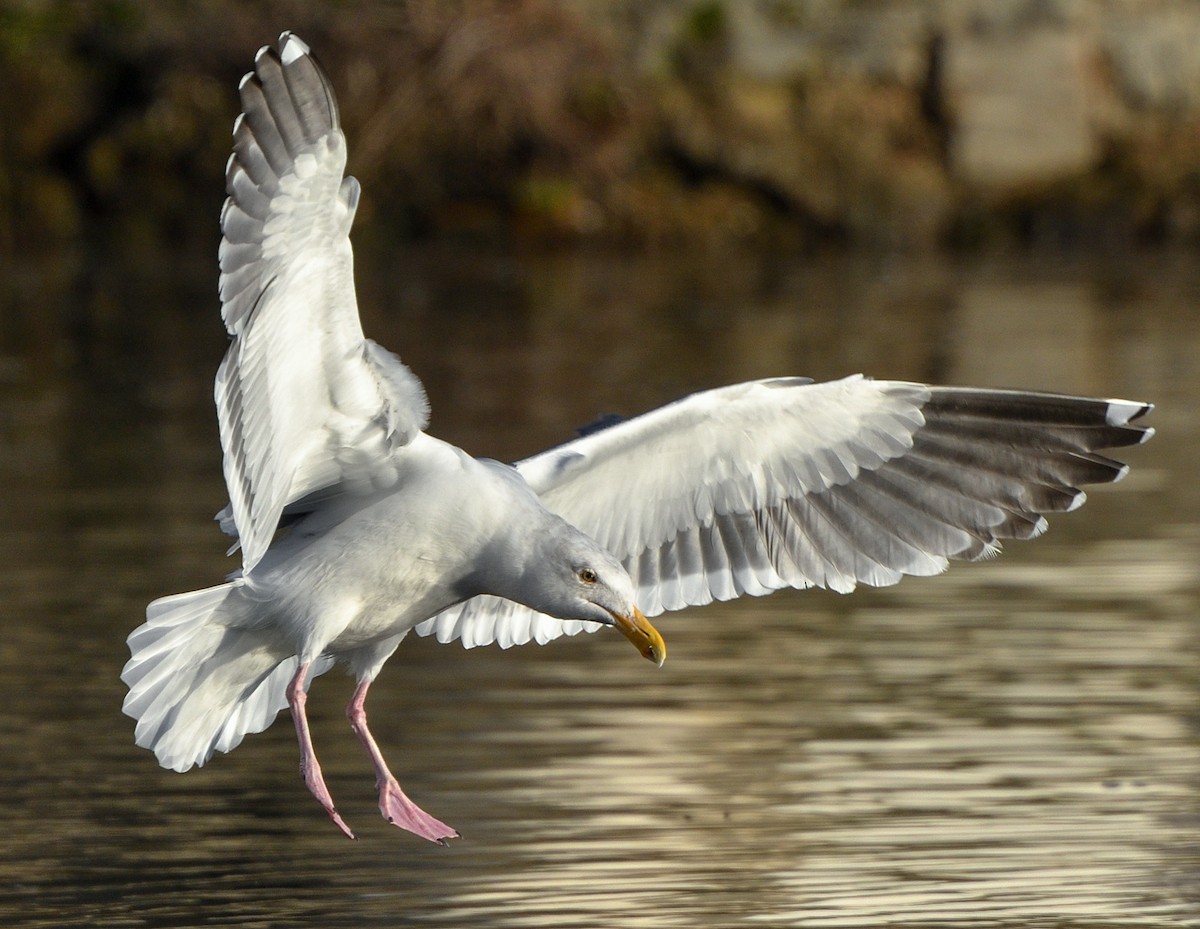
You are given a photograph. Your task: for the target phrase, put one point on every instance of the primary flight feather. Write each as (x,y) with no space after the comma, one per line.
(744,489)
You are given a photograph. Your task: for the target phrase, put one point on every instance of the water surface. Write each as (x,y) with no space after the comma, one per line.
(1015,743)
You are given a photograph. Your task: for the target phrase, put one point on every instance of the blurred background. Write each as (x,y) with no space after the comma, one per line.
(915,124)
(571,209)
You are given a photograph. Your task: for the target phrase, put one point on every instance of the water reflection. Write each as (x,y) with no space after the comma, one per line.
(1011,744)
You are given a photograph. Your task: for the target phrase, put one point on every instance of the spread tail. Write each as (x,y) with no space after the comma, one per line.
(197,682)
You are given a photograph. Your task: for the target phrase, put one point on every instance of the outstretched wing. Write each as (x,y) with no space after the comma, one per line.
(304,401)
(784,483)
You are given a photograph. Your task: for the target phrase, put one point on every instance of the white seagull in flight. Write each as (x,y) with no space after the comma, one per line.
(356,527)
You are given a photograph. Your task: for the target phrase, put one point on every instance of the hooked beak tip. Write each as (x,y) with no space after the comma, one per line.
(645,638)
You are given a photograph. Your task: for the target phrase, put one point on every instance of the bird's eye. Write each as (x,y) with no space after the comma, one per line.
(587,575)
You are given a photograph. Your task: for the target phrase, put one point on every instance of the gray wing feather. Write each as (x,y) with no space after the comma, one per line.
(305,402)
(752,488)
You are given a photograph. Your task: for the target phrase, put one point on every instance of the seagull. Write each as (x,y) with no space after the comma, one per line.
(357,527)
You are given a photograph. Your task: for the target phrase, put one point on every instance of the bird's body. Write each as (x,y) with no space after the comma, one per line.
(385,529)
(401,573)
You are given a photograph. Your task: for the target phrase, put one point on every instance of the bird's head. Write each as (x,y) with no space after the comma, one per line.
(573,577)
(603,585)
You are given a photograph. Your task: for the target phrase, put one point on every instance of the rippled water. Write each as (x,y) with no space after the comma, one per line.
(1013,744)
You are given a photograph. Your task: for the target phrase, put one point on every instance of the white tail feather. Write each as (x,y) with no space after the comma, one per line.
(197,682)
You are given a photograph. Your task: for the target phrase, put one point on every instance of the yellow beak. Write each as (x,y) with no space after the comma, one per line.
(645,638)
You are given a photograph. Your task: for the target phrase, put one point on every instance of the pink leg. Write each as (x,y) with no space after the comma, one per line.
(310,768)
(393,804)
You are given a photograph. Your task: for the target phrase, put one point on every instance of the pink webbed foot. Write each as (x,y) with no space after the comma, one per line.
(315,782)
(310,768)
(398,810)
(395,806)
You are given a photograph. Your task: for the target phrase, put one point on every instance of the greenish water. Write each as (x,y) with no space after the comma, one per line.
(1015,743)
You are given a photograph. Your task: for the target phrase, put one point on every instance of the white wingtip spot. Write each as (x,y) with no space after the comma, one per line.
(993,549)
(1146,436)
(1080,500)
(293,48)
(1120,412)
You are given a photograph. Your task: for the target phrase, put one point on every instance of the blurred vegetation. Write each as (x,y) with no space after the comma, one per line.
(495,119)
(116,114)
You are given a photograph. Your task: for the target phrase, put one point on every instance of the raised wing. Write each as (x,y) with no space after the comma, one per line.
(304,401)
(783,483)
